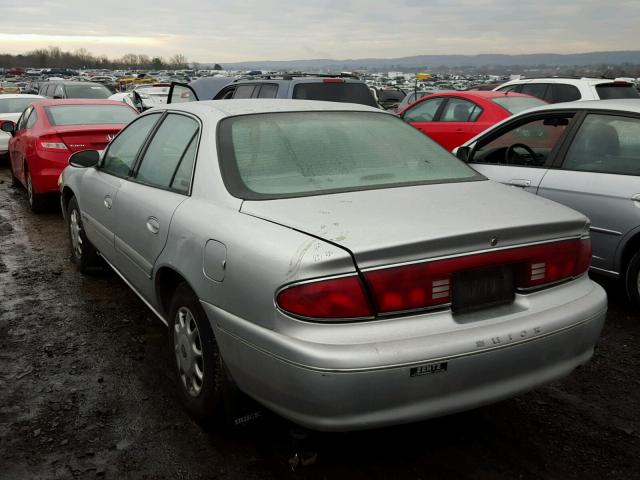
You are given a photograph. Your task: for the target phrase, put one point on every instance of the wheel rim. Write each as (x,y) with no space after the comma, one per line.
(74,230)
(188,351)
(29,189)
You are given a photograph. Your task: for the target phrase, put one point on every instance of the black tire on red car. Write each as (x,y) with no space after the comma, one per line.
(197,362)
(632,281)
(83,253)
(37,201)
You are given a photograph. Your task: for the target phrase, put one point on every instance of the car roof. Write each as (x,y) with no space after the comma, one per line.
(623,104)
(19,95)
(228,108)
(78,101)
(486,94)
(572,81)
(73,82)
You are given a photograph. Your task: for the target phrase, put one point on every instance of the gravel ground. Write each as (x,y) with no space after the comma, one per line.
(86,392)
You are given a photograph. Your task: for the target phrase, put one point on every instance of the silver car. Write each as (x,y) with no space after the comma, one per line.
(585,155)
(332,262)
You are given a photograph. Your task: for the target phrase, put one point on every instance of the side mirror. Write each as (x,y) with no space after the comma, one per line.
(8,126)
(463,153)
(85,159)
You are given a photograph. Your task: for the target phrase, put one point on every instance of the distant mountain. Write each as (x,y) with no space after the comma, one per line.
(433,61)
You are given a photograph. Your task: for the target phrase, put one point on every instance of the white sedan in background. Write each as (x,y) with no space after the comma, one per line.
(11,107)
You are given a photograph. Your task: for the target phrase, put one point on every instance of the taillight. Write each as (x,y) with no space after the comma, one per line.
(333,80)
(555,263)
(342,297)
(51,142)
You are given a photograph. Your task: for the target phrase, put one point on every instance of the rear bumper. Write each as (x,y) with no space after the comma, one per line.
(410,379)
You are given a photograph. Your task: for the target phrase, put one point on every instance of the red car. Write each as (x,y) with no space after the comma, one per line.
(49,131)
(452,118)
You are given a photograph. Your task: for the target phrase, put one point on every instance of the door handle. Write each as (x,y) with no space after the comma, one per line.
(108,202)
(520,182)
(153,225)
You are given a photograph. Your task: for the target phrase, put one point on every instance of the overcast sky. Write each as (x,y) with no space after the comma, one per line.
(242,30)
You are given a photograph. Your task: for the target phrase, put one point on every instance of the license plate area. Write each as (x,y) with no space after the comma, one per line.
(482,288)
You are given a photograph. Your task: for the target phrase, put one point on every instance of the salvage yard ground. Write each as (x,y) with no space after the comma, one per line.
(86,392)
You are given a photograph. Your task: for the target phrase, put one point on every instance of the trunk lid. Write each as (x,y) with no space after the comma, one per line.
(94,137)
(394,225)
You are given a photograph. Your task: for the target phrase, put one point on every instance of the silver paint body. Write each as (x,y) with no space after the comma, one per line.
(235,255)
(610,201)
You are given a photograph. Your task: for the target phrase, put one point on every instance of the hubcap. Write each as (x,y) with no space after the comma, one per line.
(188,351)
(74,230)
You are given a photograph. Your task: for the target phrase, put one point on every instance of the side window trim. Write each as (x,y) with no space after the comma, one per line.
(145,146)
(142,147)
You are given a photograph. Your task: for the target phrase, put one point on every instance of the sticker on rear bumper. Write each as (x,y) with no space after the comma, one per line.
(428,369)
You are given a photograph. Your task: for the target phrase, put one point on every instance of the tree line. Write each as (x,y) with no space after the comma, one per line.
(55,57)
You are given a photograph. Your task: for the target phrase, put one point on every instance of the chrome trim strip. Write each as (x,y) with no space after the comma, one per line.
(473,252)
(162,319)
(605,230)
(607,272)
(409,364)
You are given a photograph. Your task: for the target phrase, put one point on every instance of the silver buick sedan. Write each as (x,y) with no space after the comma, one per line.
(332,262)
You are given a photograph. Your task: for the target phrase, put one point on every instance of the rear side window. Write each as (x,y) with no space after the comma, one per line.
(244,91)
(268,90)
(33,118)
(534,89)
(170,147)
(515,105)
(335,91)
(459,110)
(608,91)
(561,92)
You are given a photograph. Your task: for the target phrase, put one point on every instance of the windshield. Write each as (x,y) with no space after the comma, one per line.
(609,91)
(278,155)
(515,105)
(89,114)
(335,91)
(15,105)
(87,91)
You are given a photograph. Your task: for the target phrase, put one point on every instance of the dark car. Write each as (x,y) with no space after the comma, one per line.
(72,89)
(325,88)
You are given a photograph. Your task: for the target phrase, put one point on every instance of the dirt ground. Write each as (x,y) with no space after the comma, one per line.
(86,392)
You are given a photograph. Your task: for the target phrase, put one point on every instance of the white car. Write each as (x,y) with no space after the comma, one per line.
(11,107)
(143,98)
(557,90)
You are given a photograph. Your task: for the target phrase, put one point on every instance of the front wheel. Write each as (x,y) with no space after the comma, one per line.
(632,280)
(198,364)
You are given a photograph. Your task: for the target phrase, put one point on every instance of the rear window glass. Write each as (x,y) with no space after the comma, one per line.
(279,155)
(15,105)
(87,91)
(608,91)
(515,105)
(349,92)
(89,114)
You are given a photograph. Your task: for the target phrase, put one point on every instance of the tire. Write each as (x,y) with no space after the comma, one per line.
(195,353)
(83,253)
(632,281)
(37,201)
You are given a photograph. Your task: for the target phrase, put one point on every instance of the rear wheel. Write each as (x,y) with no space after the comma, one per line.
(198,364)
(83,253)
(632,280)
(37,201)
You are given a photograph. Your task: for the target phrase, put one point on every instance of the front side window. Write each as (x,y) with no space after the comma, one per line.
(424,111)
(562,92)
(168,161)
(244,91)
(123,150)
(268,90)
(606,144)
(279,155)
(459,110)
(529,144)
(59,91)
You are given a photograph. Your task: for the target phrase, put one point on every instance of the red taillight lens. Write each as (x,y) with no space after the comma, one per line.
(51,142)
(428,284)
(343,297)
(334,80)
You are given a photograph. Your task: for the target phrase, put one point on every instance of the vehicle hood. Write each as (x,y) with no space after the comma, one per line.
(394,225)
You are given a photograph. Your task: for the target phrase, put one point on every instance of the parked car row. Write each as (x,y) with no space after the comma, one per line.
(333,262)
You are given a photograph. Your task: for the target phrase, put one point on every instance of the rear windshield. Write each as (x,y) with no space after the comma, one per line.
(15,105)
(515,105)
(89,114)
(279,155)
(87,91)
(608,91)
(349,92)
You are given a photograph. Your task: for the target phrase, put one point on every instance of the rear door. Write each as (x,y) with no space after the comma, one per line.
(99,187)
(600,177)
(457,123)
(146,203)
(19,144)
(521,152)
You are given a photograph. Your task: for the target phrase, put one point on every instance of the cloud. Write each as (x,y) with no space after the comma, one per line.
(238,30)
